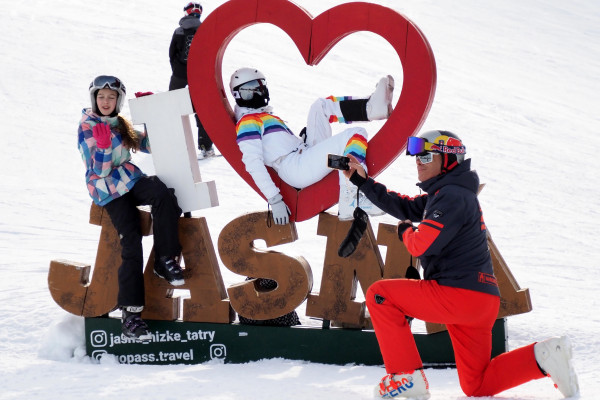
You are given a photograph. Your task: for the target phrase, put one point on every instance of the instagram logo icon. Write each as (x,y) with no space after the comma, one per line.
(218,351)
(98,354)
(98,338)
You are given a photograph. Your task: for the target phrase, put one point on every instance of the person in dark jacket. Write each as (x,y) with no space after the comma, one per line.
(459,288)
(178,56)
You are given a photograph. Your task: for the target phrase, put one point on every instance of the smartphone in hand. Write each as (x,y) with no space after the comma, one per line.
(338,162)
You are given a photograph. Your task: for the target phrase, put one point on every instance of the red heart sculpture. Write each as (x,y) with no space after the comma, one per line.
(314,38)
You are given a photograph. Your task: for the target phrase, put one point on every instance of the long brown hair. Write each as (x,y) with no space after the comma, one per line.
(129,136)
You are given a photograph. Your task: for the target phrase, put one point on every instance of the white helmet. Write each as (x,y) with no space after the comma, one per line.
(107,82)
(249,88)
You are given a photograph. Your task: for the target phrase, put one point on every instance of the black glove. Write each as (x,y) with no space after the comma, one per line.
(355,233)
(412,273)
(402,227)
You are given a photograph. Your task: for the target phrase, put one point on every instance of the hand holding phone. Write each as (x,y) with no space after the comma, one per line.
(338,162)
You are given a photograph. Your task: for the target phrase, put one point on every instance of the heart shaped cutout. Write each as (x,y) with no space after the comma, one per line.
(313,37)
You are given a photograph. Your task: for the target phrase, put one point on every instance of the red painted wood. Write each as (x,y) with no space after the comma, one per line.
(313,37)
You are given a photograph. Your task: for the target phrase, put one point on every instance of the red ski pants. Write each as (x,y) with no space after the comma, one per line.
(469,317)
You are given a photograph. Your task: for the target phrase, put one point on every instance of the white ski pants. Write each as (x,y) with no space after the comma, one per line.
(308,164)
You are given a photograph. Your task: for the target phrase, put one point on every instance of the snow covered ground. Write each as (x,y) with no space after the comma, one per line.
(516,80)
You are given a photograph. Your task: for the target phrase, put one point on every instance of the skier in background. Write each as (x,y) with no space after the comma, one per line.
(300,161)
(459,288)
(106,141)
(178,56)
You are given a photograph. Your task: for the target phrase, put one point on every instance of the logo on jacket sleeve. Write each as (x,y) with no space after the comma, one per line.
(487,278)
(437,214)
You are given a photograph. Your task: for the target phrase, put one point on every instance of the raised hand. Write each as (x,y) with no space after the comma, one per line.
(101,133)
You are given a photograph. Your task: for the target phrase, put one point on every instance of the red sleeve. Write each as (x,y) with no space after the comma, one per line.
(419,240)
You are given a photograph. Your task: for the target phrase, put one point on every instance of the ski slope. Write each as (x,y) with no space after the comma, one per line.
(516,80)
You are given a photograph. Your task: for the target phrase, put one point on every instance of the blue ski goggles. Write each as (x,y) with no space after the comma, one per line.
(417,146)
(107,82)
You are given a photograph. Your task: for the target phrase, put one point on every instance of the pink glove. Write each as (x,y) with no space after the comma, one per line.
(142,94)
(101,133)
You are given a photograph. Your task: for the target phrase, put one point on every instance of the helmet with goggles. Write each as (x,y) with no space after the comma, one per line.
(107,82)
(194,9)
(446,143)
(249,88)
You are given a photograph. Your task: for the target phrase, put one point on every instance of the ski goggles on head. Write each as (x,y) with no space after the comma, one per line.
(417,146)
(107,82)
(248,89)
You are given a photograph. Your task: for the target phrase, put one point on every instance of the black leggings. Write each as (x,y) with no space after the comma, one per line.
(125,217)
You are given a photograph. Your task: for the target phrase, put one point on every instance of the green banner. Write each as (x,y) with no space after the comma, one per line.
(176,342)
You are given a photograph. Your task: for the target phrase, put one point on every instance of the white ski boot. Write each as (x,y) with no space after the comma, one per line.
(406,385)
(379,105)
(554,357)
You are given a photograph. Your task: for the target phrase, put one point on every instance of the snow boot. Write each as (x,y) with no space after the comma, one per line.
(379,105)
(168,269)
(554,358)
(208,153)
(132,325)
(405,385)
(204,153)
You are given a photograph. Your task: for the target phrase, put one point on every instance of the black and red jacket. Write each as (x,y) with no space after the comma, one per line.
(451,239)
